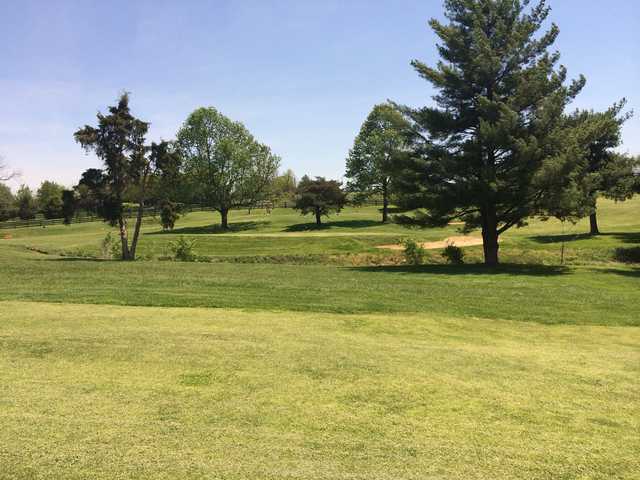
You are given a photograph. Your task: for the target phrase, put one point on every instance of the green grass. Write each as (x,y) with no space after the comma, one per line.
(124,392)
(314,362)
(355,231)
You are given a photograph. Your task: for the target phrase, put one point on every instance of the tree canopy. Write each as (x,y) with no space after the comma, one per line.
(49,199)
(494,143)
(376,154)
(319,197)
(224,163)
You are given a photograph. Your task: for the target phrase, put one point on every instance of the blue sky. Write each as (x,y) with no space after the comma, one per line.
(301,74)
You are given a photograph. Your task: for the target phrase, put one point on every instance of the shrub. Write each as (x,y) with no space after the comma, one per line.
(413,253)
(183,250)
(453,254)
(110,247)
(168,215)
(627,255)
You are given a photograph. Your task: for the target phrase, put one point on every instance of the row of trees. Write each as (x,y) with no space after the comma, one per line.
(47,201)
(213,161)
(498,146)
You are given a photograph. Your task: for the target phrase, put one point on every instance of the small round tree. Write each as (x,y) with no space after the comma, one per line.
(320,197)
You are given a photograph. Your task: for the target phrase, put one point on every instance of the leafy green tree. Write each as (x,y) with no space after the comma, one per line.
(494,143)
(604,172)
(49,199)
(7,210)
(26,203)
(319,197)
(376,153)
(69,205)
(168,215)
(119,141)
(224,163)
(283,188)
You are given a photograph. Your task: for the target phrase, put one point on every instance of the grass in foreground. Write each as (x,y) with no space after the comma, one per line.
(120,392)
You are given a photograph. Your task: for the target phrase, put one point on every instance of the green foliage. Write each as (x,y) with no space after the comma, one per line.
(413,252)
(223,162)
(495,142)
(25,203)
(69,205)
(453,254)
(110,247)
(49,199)
(376,154)
(7,209)
(119,141)
(283,189)
(168,215)
(319,197)
(183,250)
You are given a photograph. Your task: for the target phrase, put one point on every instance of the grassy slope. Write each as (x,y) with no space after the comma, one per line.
(122,392)
(356,230)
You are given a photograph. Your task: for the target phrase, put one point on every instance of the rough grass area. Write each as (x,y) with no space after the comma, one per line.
(123,392)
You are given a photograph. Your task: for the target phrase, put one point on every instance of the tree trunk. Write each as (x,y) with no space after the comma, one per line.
(318,217)
(224,213)
(122,225)
(490,237)
(385,203)
(593,224)
(136,232)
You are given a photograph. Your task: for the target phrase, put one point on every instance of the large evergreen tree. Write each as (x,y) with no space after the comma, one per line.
(119,141)
(376,153)
(487,152)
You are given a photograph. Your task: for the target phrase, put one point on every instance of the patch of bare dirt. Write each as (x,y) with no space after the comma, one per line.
(460,241)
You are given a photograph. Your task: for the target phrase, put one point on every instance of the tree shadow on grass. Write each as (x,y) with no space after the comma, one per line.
(304,227)
(625,237)
(474,269)
(632,273)
(211,229)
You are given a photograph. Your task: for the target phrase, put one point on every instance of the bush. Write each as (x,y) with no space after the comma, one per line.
(627,255)
(183,250)
(413,253)
(168,215)
(453,254)
(110,247)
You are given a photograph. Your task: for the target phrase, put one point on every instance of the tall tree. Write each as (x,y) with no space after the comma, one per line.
(604,171)
(319,197)
(224,162)
(119,141)
(69,205)
(376,153)
(26,203)
(49,199)
(283,188)
(7,201)
(485,153)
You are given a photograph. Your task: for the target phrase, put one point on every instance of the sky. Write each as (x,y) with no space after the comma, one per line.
(302,75)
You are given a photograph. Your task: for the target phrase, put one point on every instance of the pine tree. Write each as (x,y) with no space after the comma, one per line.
(488,151)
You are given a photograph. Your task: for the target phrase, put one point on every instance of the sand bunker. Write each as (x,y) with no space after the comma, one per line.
(462,241)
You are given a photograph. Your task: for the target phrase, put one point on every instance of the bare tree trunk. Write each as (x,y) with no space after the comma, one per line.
(318,217)
(122,225)
(224,213)
(593,224)
(490,237)
(385,202)
(136,232)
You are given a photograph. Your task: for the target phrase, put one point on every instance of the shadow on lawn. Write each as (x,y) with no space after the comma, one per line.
(630,237)
(633,273)
(475,269)
(303,227)
(211,229)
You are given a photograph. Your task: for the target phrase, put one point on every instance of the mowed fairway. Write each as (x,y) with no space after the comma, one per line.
(295,355)
(126,392)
